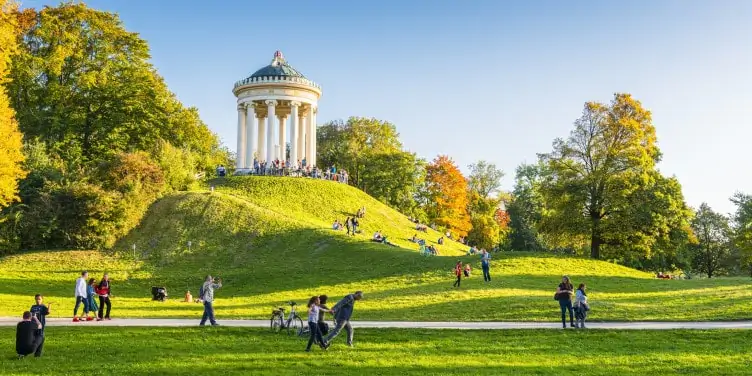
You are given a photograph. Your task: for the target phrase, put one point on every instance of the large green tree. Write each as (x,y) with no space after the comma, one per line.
(371,152)
(484,182)
(743,229)
(594,173)
(711,253)
(84,85)
(526,210)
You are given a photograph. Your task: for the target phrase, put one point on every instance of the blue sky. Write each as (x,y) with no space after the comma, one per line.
(494,80)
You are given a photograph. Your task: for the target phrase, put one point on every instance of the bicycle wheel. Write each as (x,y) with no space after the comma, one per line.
(276,323)
(296,326)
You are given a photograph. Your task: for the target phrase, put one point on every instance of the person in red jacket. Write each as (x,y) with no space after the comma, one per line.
(458,273)
(104,292)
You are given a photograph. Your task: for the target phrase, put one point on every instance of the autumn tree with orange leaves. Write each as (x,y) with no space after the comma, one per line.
(447,196)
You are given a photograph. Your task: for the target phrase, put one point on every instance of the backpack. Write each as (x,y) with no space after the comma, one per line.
(201,292)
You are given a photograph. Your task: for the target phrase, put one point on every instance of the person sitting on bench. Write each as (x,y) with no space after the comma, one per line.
(159,293)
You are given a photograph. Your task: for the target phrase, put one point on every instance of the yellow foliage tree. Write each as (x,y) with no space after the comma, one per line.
(11,140)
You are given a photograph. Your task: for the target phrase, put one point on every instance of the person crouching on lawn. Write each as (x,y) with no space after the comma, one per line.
(314,309)
(28,339)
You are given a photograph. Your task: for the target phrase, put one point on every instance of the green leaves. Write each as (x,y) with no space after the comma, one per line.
(601,181)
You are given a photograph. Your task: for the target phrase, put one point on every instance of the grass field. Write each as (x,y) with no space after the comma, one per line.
(235,351)
(270,239)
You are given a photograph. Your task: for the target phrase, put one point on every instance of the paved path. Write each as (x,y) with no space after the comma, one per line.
(7,321)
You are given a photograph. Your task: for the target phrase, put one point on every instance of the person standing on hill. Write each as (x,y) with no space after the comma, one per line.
(348,223)
(80,295)
(342,313)
(458,274)
(485,263)
(564,296)
(104,292)
(40,312)
(207,295)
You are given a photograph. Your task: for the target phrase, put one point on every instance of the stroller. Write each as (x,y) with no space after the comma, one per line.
(158,293)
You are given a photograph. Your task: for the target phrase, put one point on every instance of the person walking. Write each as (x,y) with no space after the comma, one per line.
(323,326)
(104,291)
(91,295)
(207,295)
(314,309)
(40,312)
(564,296)
(485,259)
(348,223)
(80,296)
(342,313)
(458,274)
(28,340)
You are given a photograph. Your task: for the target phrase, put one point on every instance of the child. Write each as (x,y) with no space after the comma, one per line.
(314,309)
(468,269)
(581,306)
(458,273)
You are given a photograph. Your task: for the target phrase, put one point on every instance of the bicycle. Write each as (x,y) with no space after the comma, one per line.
(293,324)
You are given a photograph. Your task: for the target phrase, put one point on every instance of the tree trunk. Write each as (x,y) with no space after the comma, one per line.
(595,239)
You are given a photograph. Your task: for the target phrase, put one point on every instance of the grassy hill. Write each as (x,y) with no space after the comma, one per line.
(271,241)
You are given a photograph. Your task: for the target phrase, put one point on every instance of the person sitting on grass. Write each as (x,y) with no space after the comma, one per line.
(28,338)
(414,239)
(188,297)
(441,240)
(377,237)
(336,225)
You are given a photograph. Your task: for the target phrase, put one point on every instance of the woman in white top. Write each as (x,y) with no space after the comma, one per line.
(313,318)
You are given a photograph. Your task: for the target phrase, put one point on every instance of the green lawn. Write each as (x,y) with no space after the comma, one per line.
(236,351)
(270,240)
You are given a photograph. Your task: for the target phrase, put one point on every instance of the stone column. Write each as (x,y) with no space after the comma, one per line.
(270,116)
(240,157)
(261,139)
(314,124)
(250,134)
(294,134)
(282,138)
(308,144)
(301,135)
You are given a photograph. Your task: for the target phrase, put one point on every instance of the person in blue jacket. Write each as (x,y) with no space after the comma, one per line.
(342,313)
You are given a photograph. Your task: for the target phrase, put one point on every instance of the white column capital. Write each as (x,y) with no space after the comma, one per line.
(295,103)
(271,102)
(241,107)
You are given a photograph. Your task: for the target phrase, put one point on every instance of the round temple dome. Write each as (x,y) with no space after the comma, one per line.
(278,68)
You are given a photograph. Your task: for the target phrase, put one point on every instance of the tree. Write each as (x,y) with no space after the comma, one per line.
(592,174)
(525,209)
(485,178)
(84,85)
(742,231)
(370,151)
(712,250)
(11,142)
(447,196)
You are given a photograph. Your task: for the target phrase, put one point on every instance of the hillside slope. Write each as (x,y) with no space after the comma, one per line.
(271,242)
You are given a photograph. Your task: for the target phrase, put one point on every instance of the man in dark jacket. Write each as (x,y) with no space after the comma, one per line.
(342,312)
(28,339)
